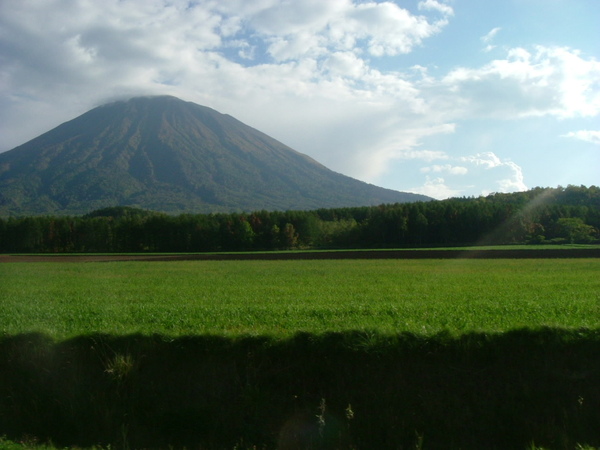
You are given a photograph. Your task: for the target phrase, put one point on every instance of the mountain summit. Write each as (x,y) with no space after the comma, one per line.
(165,154)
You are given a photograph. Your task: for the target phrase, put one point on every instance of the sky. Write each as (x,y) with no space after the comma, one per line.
(447,98)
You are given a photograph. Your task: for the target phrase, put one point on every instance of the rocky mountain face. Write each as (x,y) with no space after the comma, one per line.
(168,155)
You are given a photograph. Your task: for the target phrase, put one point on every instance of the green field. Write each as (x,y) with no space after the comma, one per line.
(281,298)
(344,354)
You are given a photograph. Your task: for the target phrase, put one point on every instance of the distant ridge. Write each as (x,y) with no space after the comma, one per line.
(165,154)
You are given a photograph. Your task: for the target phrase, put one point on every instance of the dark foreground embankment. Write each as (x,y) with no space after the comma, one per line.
(347,390)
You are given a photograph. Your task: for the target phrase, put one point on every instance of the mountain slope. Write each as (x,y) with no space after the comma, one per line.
(168,155)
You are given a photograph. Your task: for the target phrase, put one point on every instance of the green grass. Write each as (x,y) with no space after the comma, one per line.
(494,354)
(281,298)
(6,444)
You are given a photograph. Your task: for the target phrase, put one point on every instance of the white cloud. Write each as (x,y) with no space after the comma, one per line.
(436,188)
(395,143)
(306,72)
(424,155)
(386,28)
(488,160)
(436,6)
(280,18)
(346,64)
(462,175)
(550,81)
(514,181)
(491,35)
(446,168)
(591,136)
(488,38)
(313,28)
(506,175)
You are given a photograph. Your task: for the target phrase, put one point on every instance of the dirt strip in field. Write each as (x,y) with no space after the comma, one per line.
(366,254)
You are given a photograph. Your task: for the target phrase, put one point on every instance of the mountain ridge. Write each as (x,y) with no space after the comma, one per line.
(172,156)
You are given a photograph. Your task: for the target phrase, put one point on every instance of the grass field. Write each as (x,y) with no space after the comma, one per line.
(280,298)
(327,354)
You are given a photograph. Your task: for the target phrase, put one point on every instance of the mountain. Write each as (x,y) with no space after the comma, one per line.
(168,155)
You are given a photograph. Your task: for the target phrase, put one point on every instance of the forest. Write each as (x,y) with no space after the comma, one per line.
(541,215)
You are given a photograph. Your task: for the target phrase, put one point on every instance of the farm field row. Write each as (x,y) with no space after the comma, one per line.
(282,298)
(472,252)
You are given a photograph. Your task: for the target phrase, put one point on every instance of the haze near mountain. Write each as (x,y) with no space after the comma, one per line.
(168,155)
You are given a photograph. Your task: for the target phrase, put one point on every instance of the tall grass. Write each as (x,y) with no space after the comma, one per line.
(281,298)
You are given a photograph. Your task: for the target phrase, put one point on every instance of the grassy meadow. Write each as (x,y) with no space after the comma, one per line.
(319,354)
(281,298)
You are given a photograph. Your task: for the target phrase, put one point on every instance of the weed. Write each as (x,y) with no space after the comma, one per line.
(119,366)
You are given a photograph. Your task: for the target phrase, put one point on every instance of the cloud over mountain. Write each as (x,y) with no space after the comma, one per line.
(372,80)
(165,154)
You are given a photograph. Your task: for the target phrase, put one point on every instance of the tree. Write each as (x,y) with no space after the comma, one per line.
(274,237)
(289,236)
(575,229)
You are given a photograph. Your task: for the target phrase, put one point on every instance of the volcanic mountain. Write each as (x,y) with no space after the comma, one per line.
(168,155)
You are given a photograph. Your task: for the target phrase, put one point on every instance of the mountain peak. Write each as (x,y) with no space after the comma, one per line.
(166,154)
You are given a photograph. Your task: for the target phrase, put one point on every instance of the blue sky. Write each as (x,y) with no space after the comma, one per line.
(441,97)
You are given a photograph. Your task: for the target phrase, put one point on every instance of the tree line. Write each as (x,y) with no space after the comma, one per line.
(554,215)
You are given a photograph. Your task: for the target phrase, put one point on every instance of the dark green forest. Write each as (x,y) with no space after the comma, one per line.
(541,215)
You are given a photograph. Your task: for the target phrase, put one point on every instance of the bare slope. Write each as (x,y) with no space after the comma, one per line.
(164,154)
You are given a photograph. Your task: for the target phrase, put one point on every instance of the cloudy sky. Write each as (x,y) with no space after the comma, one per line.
(441,97)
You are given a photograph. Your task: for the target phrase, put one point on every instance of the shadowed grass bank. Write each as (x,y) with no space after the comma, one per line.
(516,390)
